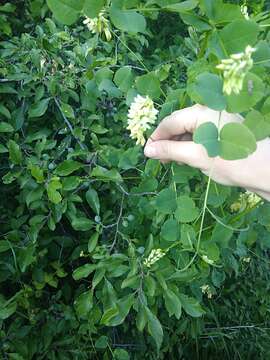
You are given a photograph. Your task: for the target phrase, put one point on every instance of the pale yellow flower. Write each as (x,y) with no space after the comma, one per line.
(141,115)
(153,257)
(246,200)
(235,70)
(99,25)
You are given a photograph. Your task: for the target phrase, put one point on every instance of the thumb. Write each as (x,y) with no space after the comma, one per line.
(186,152)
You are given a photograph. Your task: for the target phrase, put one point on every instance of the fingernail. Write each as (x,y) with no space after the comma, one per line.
(150,151)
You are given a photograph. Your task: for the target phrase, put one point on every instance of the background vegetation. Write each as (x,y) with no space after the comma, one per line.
(81,207)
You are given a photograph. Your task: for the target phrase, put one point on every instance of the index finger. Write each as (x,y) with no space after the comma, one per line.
(178,123)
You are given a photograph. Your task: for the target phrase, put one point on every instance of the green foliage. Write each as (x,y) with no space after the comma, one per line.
(82,210)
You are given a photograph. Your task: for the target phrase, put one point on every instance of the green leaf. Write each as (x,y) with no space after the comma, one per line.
(108,315)
(82,224)
(129,158)
(121,354)
(93,7)
(148,84)
(237,35)
(186,210)
(67,167)
(106,175)
(253,91)
(220,12)
(172,303)
(123,306)
(221,235)
(183,6)
(39,108)
(93,200)
(123,78)
(191,306)
(236,141)
(102,342)
(208,90)
(5,127)
(37,173)
(4,246)
(5,112)
(66,11)
(258,124)
(207,135)
(15,154)
(170,230)
(83,271)
(67,111)
(54,195)
(92,243)
(127,20)
(166,201)
(7,311)
(84,303)
(154,327)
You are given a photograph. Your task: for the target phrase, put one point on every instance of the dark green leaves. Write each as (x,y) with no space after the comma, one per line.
(236,141)
(127,20)
(258,124)
(38,109)
(67,167)
(173,304)
(252,92)
(183,6)
(166,201)
(66,11)
(93,7)
(207,90)
(186,210)
(83,271)
(5,127)
(148,85)
(15,154)
(93,200)
(154,327)
(191,306)
(237,35)
(207,135)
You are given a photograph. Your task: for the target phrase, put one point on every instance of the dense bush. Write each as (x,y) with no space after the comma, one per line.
(83,211)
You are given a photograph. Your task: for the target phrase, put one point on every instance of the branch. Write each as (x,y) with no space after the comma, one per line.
(135,194)
(68,124)
(117,224)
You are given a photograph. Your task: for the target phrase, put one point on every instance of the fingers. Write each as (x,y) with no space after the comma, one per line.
(179,122)
(186,152)
(187,120)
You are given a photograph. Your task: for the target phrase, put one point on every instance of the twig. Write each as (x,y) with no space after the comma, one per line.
(68,124)
(117,224)
(135,194)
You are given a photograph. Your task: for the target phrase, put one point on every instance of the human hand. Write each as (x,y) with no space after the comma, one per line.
(172,141)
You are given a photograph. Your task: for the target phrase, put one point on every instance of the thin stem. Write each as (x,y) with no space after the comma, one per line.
(68,124)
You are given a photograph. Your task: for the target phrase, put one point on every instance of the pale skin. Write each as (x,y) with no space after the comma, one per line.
(172,141)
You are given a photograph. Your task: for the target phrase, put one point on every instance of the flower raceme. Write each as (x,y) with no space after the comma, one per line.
(141,115)
(235,69)
(99,25)
(153,257)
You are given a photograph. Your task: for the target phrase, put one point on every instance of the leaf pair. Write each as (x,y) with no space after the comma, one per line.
(235,141)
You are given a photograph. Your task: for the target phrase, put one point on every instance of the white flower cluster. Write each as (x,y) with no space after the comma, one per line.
(153,257)
(99,25)
(244,11)
(247,200)
(207,260)
(207,290)
(141,114)
(235,69)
